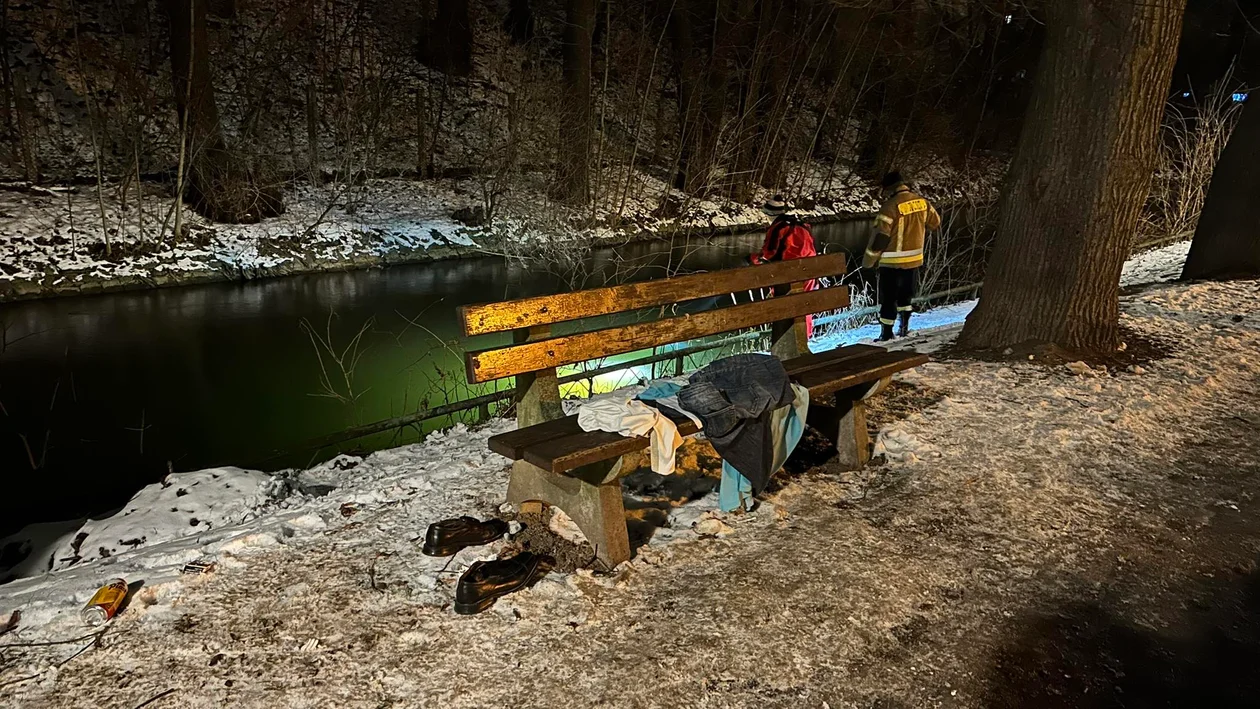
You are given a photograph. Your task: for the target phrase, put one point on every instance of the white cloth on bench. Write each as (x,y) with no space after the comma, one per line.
(619,412)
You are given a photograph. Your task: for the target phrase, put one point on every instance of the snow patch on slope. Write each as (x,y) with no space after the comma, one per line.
(183,504)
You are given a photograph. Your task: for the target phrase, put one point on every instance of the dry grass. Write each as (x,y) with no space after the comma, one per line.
(1194,134)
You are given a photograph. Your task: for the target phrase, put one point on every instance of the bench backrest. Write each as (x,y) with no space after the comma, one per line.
(536,352)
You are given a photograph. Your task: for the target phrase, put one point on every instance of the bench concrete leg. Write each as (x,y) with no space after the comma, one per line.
(537,398)
(844,424)
(595,507)
(788,339)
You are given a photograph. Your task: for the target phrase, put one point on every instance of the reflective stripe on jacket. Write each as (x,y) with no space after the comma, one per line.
(900,230)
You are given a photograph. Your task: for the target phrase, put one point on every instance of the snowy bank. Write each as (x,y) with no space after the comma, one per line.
(53,240)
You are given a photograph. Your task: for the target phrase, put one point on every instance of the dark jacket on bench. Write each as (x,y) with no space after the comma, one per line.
(734,398)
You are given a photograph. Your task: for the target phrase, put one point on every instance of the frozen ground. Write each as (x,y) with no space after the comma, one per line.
(1027,533)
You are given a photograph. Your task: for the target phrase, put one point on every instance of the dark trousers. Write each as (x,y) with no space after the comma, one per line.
(897,288)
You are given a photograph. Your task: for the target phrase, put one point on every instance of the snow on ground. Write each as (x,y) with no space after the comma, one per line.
(239,512)
(934,328)
(297,529)
(1156,266)
(56,238)
(182,504)
(1008,471)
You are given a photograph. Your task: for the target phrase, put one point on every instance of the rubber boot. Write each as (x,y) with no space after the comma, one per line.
(903,329)
(885,333)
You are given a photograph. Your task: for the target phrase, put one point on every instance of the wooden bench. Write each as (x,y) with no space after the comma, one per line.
(559,464)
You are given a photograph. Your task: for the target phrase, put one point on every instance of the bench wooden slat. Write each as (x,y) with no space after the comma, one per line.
(512,445)
(564,454)
(807,362)
(489,365)
(852,372)
(545,310)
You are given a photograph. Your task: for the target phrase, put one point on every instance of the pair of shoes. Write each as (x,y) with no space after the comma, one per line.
(450,536)
(885,333)
(486,581)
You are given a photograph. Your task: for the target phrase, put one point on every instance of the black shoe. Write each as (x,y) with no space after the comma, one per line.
(448,537)
(904,328)
(885,333)
(486,581)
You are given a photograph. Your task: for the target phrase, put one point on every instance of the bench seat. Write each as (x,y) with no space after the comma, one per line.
(561,446)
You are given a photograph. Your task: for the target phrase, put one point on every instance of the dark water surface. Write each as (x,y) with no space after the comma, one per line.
(102,394)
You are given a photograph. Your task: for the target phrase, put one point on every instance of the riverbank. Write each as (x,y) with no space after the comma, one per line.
(55,246)
(975,563)
(82,240)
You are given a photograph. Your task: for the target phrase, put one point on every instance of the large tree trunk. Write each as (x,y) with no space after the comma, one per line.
(712,110)
(519,23)
(221,185)
(1227,240)
(1080,176)
(687,70)
(448,44)
(575,128)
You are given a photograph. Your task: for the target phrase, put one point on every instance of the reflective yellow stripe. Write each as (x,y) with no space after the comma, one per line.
(905,308)
(887,322)
(883,218)
(913,206)
(902,260)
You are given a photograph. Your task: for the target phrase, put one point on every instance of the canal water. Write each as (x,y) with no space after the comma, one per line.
(104,394)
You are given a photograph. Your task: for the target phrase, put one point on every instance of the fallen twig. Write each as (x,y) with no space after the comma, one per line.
(155,697)
(372,573)
(96,641)
(20,680)
(48,643)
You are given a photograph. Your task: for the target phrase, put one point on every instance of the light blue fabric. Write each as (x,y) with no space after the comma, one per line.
(787,426)
(659,390)
(735,489)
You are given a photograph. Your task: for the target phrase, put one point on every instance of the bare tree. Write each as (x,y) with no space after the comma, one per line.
(222,186)
(448,44)
(576,128)
(1080,175)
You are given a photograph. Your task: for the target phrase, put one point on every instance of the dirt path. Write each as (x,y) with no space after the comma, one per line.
(1054,539)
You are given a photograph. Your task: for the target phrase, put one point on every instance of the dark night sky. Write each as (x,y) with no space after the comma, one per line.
(1214,35)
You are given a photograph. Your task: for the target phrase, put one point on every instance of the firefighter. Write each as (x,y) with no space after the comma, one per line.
(787,238)
(897,248)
